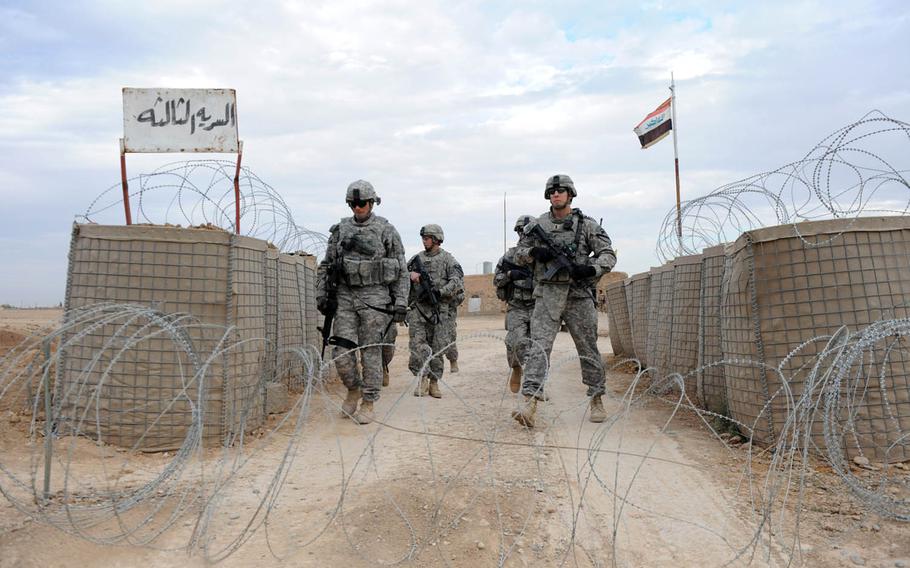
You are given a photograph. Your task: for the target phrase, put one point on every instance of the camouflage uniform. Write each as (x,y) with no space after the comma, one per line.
(370,259)
(560,298)
(519,297)
(426,336)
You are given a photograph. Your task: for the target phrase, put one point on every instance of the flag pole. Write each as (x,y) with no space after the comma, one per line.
(504,223)
(676,160)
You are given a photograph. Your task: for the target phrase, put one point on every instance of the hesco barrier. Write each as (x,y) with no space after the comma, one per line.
(639,290)
(686,291)
(781,290)
(710,385)
(144,395)
(297,317)
(145,398)
(660,318)
(618,313)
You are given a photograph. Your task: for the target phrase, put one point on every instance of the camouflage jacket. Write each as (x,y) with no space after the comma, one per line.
(446,275)
(368,259)
(584,239)
(520,292)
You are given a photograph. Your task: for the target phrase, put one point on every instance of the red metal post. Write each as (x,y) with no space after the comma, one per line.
(237,189)
(123,182)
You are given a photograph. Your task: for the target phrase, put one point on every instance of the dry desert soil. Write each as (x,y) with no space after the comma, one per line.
(456,482)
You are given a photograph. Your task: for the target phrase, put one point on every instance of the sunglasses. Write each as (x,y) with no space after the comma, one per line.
(359,203)
(556,190)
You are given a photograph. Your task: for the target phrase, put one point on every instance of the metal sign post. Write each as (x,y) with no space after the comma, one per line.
(180,120)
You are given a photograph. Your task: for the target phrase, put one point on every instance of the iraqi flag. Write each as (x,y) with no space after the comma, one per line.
(655,126)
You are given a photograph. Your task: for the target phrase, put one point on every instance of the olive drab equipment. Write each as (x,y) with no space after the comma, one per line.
(361,190)
(557,181)
(521,222)
(361,254)
(432,230)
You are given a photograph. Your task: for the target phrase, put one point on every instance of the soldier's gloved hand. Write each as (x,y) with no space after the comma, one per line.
(326,305)
(582,271)
(542,254)
(401,313)
(517,274)
(437,295)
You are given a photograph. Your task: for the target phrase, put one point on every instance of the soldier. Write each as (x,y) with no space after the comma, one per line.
(436,278)
(570,253)
(515,285)
(363,279)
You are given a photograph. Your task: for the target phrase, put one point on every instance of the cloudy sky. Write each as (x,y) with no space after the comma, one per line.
(444,105)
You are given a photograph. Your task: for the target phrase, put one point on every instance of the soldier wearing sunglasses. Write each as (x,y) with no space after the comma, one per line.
(569,252)
(366,258)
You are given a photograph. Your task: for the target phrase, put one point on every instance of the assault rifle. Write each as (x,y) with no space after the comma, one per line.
(562,255)
(425,287)
(525,271)
(331,293)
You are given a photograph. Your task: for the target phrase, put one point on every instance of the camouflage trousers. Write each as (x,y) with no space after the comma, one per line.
(388,351)
(426,339)
(552,307)
(364,327)
(518,337)
(451,329)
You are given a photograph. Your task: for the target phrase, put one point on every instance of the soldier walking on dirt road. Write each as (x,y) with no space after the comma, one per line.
(363,284)
(570,252)
(436,279)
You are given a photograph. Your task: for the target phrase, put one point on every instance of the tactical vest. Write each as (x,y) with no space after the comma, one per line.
(566,233)
(437,266)
(362,255)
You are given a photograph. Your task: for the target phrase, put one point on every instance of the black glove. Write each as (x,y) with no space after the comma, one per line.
(517,275)
(401,312)
(542,254)
(582,271)
(437,295)
(326,305)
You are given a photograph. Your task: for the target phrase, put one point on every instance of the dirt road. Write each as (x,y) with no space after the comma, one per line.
(456,482)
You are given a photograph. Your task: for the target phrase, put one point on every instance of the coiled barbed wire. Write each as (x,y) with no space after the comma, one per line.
(199,499)
(201,193)
(859,170)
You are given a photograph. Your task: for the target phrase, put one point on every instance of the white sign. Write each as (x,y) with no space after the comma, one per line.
(180,120)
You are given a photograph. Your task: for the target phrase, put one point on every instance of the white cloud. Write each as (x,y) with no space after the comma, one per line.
(446,107)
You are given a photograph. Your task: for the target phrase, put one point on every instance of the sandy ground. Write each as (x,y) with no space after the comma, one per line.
(457,482)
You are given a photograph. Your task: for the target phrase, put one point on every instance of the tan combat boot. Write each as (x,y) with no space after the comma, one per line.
(453,366)
(349,406)
(365,414)
(598,414)
(526,411)
(434,389)
(422,387)
(385,376)
(515,379)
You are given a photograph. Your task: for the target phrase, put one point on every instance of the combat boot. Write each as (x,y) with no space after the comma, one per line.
(349,406)
(598,414)
(422,387)
(385,376)
(365,414)
(434,389)
(515,379)
(453,366)
(526,411)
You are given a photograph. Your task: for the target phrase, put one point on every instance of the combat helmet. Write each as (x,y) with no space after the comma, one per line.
(522,221)
(361,190)
(559,180)
(432,230)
